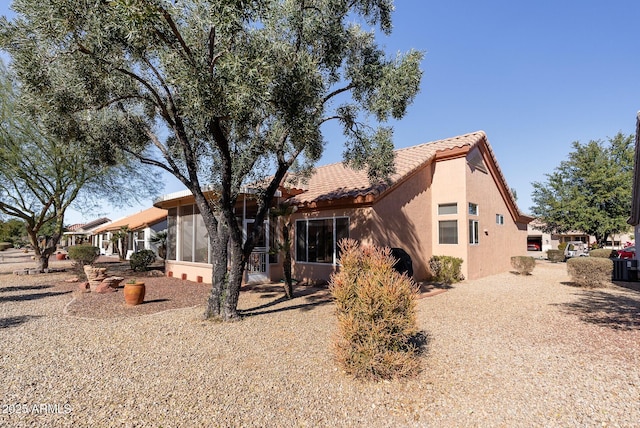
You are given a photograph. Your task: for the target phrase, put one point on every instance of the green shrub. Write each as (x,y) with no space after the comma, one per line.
(446,269)
(524,265)
(140,260)
(83,254)
(375,306)
(562,246)
(555,256)
(590,271)
(603,253)
(5,245)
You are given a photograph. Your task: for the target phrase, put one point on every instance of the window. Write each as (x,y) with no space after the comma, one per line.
(448,232)
(317,240)
(447,209)
(499,219)
(172,222)
(202,239)
(474,232)
(186,233)
(473,209)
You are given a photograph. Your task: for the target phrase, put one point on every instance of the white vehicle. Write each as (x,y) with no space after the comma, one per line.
(576,249)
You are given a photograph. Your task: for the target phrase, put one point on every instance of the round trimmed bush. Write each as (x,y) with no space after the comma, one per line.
(603,253)
(140,260)
(83,254)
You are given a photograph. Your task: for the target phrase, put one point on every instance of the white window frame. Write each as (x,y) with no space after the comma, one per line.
(474,232)
(475,209)
(499,219)
(448,205)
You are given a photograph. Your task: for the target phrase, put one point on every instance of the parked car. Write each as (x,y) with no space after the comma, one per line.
(627,253)
(533,247)
(576,249)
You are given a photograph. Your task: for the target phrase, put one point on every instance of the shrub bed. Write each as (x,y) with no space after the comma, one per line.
(5,245)
(375,306)
(446,269)
(603,253)
(524,265)
(555,256)
(590,271)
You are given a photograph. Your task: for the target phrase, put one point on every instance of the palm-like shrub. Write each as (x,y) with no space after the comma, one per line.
(376,315)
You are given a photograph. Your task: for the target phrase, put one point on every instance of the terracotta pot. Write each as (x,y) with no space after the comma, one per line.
(61,256)
(134,293)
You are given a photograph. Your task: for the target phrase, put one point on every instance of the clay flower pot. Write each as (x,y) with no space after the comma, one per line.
(61,256)
(134,293)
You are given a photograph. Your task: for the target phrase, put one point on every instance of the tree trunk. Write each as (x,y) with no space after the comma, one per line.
(219,279)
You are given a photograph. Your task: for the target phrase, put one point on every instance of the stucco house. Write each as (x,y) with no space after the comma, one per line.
(447,197)
(142,226)
(81,233)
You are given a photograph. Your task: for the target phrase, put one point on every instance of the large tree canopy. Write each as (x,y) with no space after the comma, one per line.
(45,168)
(221,92)
(589,192)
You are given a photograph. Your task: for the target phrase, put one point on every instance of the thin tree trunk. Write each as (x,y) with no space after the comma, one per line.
(286,264)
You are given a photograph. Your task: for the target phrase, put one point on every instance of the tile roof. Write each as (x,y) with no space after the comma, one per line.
(335,181)
(137,221)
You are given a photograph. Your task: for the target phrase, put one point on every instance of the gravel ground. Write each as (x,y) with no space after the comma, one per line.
(501,351)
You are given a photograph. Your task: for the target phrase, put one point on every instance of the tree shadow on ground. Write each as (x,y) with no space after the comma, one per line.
(16,321)
(421,341)
(24,288)
(305,299)
(606,309)
(28,297)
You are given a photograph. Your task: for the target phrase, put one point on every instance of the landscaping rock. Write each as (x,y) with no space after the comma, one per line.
(84,287)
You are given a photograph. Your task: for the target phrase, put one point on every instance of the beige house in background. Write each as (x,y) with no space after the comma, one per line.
(447,197)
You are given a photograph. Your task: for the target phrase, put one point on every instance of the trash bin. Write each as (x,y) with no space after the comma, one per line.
(625,270)
(620,272)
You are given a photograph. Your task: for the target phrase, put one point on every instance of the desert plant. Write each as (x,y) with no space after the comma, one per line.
(555,256)
(590,271)
(83,254)
(524,265)
(562,246)
(140,260)
(160,238)
(446,269)
(603,253)
(375,306)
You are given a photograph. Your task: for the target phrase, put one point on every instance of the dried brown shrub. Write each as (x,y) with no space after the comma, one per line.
(376,315)
(524,265)
(590,271)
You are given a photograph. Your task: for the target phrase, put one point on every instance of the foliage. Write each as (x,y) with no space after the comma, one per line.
(12,230)
(562,246)
(5,245)
(120,241)
(524,265)
(224,92)
(603,253)
(555,256)
(446,269)
(160,238)
(47,166)
(375,306)
(590,271)
(83,254)
(140,260)
(590,192)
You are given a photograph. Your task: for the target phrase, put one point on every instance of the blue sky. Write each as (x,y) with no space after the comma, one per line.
(535,76)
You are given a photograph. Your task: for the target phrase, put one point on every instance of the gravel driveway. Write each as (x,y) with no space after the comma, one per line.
(501,351)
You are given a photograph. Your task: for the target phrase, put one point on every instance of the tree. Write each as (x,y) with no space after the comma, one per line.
(45,169)
(589,192)
(228,93)
(282,213)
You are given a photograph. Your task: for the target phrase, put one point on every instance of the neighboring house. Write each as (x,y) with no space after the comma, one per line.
(446,197)
(81,233)
(634,219)
(543,241)
(142,227)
